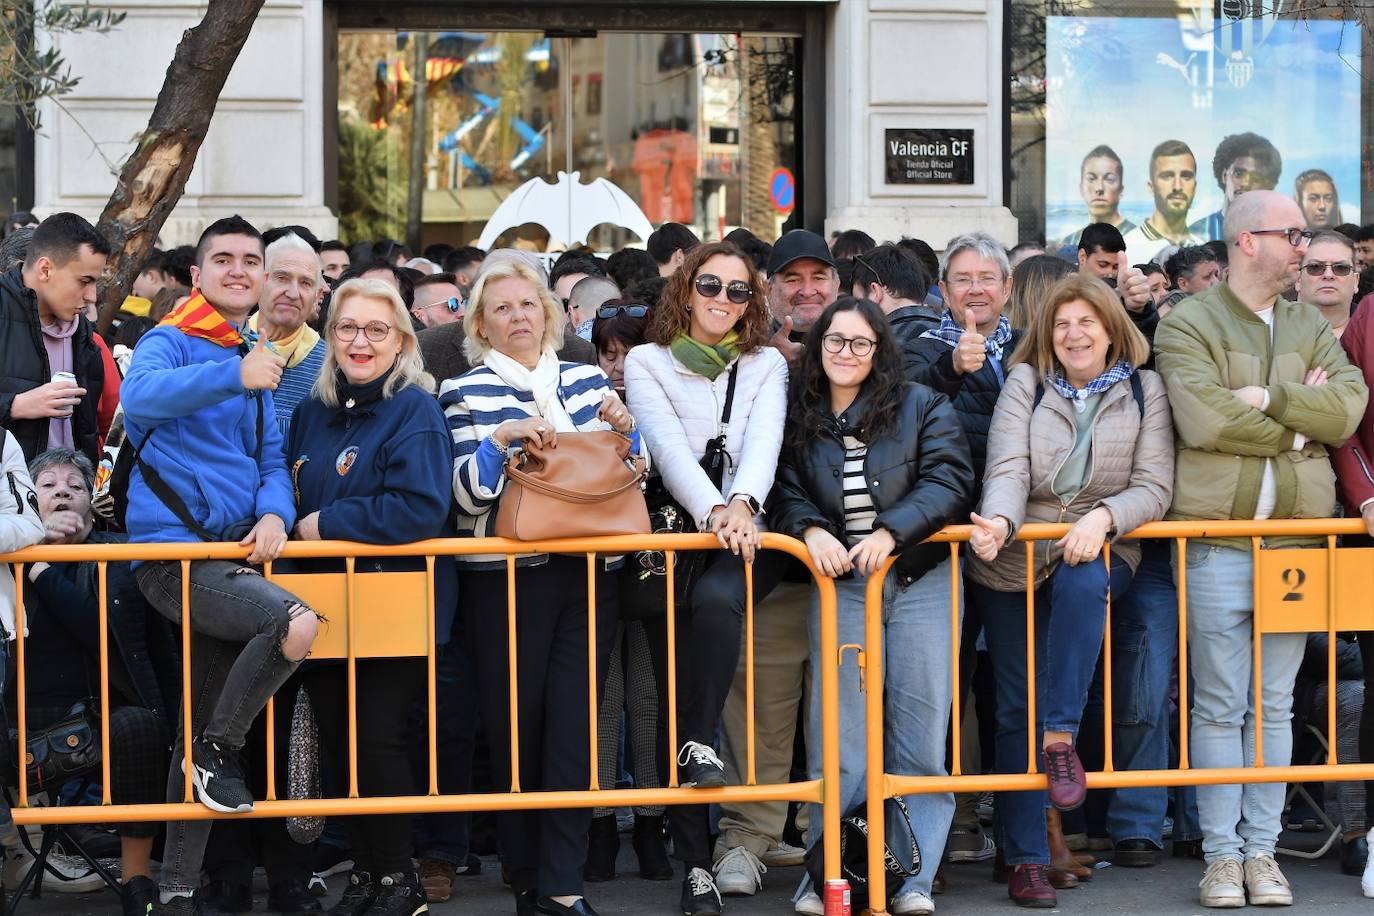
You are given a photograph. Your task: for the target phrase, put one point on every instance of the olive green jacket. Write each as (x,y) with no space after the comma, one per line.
(1211,344)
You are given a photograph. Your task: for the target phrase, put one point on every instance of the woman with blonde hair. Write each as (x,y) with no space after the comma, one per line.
(519,391)
(1081,434)
(371,460)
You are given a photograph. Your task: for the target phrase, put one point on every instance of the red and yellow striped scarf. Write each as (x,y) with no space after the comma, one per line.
(198,318)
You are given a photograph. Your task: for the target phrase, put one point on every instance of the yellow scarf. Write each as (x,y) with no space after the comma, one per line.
(296,347)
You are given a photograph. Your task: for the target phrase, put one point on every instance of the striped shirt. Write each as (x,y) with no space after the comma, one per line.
(859,514)
(295,386)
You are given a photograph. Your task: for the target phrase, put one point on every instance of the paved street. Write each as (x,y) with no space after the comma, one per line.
(1168,890)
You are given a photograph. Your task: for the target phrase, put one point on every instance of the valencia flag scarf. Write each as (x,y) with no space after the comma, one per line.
(198,318)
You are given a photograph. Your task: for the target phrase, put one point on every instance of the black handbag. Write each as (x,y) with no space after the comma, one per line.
(66,750)
(854,856)
(644,575)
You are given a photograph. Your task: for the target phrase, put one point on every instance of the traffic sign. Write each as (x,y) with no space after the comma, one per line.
(782,189)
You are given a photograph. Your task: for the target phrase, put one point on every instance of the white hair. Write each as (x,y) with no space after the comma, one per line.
(410,366)
(291,242)
(984,245)
(424,266)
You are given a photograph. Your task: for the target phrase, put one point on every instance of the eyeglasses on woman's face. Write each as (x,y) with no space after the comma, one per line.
(859,346)
(737,291)
(375,331)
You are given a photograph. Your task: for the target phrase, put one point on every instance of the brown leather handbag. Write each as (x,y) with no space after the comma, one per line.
(586,486)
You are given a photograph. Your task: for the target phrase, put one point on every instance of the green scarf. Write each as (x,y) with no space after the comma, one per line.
(706,359)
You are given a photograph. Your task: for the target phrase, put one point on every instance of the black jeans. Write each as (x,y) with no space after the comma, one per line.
(386,689)
(709,636)
(543,850)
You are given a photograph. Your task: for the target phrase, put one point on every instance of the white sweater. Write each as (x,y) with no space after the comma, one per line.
(678,412)
(20,525)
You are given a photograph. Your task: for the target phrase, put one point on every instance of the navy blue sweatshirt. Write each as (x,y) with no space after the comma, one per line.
(379,472)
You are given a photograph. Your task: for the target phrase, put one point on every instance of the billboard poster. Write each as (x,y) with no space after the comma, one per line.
(1154,124)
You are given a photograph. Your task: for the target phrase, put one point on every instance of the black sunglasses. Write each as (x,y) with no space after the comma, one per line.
(737,291)
(1339,268)
(634,311)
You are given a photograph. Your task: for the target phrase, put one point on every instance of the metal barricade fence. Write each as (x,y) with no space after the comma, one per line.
(1295,590)
(390,614)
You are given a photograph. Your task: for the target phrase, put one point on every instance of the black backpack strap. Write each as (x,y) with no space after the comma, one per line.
(1138,393)
(729,394)
(1039,394)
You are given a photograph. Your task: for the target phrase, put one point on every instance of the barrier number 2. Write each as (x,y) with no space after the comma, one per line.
(1293,580)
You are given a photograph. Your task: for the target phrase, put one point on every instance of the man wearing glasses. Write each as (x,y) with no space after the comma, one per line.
(1260,391)
(1329,278)
(438,300)
(1243,162)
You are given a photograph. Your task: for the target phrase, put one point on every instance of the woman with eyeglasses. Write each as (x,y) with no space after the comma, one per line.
(620,326)
(708,361)
(371,461)
(873,465)
(519,391)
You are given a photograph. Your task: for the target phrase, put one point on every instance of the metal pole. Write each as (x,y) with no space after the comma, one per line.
(419,83)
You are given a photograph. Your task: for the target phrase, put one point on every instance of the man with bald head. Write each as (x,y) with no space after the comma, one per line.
(1260,390)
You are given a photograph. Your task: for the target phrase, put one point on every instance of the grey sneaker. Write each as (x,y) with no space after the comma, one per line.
(783,855)
(970,844)
(1223,884)
(1265,883)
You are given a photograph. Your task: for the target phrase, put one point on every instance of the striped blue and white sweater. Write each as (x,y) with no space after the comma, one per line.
(477,402)
(295,386)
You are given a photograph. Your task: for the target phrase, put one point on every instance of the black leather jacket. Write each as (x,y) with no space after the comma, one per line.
(920,478)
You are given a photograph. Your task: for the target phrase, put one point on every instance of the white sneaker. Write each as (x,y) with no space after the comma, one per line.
(1265,884)
(783,855)
(810,904)
(913,903)
(1367,879)
(739,873)
(1222,885)
(64,875)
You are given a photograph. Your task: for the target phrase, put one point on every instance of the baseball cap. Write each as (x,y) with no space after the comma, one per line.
(797,244)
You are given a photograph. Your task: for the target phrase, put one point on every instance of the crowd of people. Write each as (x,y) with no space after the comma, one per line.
(265,387)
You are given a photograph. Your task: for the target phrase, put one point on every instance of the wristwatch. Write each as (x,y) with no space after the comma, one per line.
(751,502)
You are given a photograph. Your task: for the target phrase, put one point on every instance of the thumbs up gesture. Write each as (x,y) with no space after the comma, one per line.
(1131,284)
(262,367)
(971,352)
(988,536)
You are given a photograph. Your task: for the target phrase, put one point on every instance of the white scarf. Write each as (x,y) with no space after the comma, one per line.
(542,381)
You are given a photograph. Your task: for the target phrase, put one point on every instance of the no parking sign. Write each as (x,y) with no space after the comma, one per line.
(782,190)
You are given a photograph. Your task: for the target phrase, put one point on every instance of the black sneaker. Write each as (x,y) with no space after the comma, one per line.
(291,896)
(224,898)
(217,775)
(400,894)
(700,766)
(137,896)
(699,894)
(472,867)
(357,897)
(177,906)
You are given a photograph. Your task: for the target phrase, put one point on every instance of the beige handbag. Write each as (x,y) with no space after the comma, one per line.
(586,486)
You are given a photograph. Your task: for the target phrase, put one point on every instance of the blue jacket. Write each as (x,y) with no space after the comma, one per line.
(380,473)
(184,401)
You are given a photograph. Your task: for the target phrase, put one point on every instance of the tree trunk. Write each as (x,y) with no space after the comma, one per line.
(419,137)
(154,177)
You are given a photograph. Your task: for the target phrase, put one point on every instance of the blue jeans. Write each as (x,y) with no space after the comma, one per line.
(1070,619)
(918,683)
(1237,820)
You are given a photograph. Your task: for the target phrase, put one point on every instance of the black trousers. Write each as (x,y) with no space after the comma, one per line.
(709,637)
(541,849)
(386,689)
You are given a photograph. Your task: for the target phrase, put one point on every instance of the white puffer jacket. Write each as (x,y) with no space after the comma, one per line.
(678,412)
(20,525)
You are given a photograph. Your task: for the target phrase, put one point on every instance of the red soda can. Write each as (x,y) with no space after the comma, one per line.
(837,897)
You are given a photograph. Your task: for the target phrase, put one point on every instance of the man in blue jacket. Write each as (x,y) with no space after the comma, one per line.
(198,406)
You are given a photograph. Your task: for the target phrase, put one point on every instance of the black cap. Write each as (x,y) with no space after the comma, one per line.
(797,244)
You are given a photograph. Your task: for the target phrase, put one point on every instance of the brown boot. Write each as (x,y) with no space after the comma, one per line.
(1060,856)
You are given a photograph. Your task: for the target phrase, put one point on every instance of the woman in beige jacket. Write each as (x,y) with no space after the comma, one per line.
(1080,434)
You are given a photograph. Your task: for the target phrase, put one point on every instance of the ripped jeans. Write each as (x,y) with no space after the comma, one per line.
(238,622)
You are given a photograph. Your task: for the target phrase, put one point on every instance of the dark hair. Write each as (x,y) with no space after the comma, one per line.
(1100,151)
(1151,269)
(178,263)
(1102,236)
(402,275)
(739,235)
(759,252)
(1234,146)
(434,279)
(165,300)
(1218,248)
(1169,148)
(305,235)
(925,254)
(437,252)
(59,239)
(574,264)
(648,291)
(1349,230)
(388,249)
(19,219)
(132,328)
(360,253)
(893,268)
(808,402)
(15,248)
(154,261)
(462,257)
(851,242)
(670,237)
(672,316)
(332,245)
(229,225)
(629,265)
(623,329)
(1185,262)
(1366,233)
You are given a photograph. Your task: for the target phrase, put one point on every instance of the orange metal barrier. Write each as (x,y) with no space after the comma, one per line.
(392,614)
(1295,590)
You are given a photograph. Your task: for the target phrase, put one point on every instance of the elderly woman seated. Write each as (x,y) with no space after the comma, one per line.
(62,657)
